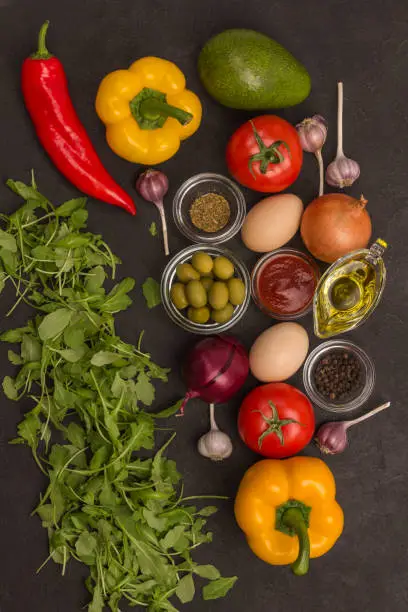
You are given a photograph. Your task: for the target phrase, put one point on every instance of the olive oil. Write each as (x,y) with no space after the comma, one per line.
(349,291)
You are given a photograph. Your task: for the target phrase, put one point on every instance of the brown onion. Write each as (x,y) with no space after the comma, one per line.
(335,224)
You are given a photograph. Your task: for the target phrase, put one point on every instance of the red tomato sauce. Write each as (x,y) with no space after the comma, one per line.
(286,284)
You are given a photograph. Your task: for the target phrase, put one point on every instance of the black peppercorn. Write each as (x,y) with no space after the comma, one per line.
(339,376)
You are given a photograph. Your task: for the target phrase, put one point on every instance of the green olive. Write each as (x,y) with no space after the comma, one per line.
(223,268)
(207,282)
(218,295)
(198,315)
(178,296)
(185,273)
(202,262)
(196,294)
(236,290)
(223,315)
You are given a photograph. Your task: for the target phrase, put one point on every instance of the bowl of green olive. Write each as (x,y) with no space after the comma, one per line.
(205,289)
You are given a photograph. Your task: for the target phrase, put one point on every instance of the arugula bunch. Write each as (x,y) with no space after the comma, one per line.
(120,513)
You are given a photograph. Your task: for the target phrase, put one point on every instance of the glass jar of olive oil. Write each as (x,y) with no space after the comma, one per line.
(349,291)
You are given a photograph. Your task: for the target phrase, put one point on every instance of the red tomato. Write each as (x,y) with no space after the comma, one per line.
(265,154)
(276,420)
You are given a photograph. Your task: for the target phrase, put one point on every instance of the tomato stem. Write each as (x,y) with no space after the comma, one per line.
(275,424)
(266,155)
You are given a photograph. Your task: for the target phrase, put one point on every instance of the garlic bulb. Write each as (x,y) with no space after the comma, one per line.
(215,444)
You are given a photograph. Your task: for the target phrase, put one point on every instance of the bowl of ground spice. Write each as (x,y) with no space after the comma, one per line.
(209,208)
(339,376)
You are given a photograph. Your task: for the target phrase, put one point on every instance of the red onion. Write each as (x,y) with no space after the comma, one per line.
(331,438)
(215,369)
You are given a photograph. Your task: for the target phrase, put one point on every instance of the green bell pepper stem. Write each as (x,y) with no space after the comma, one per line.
(294,519)
(42,51)
(152,108)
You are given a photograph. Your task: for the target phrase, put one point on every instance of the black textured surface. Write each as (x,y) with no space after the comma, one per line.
(365,44)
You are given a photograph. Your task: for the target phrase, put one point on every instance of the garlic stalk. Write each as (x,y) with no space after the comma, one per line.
(215,444)
(343,171)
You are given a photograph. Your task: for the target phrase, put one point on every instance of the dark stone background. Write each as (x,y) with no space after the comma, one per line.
(365,44)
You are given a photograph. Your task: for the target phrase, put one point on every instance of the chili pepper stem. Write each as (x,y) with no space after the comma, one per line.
(42,51)
(152,107)
(319,158)
(368,415)
(340,152)
(294,519)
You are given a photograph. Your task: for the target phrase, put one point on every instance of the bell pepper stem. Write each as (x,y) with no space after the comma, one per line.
(153,107)
(294,520)
(42,51)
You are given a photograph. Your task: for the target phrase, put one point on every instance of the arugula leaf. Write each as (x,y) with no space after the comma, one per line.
(8,242)
(207,571)
(76,435)
(86,547)
(95,279)
(218,588)
(9,388)
(118,299)
(151,292)
(185,589)
(30,349)
(172,537)
(66,209)
(25,191)
(54,323)
(144,389)
(103,358)
(98,602)
(74,337)
(170,411)
(14,358)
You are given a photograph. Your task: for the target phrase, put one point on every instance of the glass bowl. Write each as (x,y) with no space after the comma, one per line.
(168,278)
(197,186)
(256,272)
(310,366)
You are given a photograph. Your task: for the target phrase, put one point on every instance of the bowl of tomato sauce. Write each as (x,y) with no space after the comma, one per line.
(283,283)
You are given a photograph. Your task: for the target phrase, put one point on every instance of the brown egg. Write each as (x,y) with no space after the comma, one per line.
(272,222)
(279,352)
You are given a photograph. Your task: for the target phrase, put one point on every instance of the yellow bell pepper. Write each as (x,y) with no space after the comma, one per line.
(147,110)
(288,511)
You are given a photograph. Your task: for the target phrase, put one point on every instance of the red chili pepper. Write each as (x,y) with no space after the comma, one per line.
(60,131)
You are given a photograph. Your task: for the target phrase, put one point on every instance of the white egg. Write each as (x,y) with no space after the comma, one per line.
(272,222)
(279,352)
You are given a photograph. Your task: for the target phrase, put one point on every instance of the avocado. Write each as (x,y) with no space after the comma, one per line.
(247,70)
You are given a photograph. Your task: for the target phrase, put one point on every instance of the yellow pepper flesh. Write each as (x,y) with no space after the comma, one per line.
(125,136)
(271,484)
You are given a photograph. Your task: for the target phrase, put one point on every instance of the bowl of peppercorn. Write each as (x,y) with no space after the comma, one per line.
(338,376)
(209,208)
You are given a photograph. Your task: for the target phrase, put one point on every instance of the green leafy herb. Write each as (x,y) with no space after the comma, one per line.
(151,292)
(120,513)
(218,588)
(153,229)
